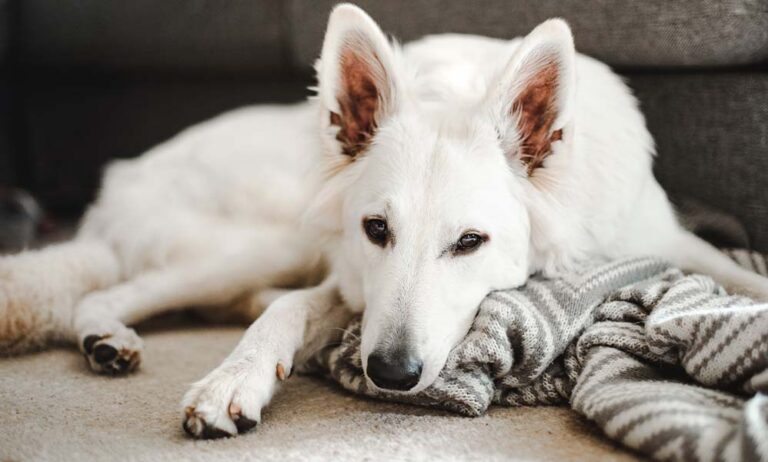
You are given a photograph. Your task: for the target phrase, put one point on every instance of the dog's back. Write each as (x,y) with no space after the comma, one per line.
(589,201)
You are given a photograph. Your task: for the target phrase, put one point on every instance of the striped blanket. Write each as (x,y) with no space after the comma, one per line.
(665,363)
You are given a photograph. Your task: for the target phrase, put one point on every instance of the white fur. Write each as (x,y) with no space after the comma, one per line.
(254,199)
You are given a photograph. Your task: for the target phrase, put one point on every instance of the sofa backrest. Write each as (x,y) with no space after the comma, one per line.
(86,81)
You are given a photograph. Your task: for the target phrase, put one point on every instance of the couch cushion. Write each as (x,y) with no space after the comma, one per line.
(627,34)
(711,132)
(6,153)
(5,21)
(137,36)
(74,129)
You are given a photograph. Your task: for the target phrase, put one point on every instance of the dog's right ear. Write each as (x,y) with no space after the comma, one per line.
(357,82)
(533,101)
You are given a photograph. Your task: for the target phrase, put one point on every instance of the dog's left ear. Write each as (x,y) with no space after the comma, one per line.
(357,80)
(533,98)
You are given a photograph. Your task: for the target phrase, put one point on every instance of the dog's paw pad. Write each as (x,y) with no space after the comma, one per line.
(242,422)
(104,353)
(114,354)
(89,342)
(196,426)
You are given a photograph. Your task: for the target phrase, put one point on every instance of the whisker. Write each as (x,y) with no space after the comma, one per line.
(346,331)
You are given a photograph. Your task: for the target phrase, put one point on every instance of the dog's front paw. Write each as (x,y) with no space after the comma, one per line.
(114,351)
(230,399)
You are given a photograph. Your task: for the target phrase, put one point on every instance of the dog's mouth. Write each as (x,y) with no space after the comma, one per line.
(417,388)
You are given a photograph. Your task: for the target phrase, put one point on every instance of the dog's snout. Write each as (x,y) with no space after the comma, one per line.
(397,371)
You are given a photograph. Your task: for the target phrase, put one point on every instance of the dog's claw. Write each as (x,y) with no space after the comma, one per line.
(280,372)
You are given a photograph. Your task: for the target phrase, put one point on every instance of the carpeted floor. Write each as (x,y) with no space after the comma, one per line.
(53,408)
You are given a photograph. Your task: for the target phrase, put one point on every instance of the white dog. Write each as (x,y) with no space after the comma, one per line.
(415,183)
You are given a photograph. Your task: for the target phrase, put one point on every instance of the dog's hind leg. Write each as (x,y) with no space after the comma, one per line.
(693,254)
(655,230)
(40,288)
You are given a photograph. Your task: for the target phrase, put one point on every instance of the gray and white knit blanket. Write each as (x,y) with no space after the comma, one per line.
(667,364)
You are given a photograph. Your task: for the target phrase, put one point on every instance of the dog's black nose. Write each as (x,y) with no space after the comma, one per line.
(398,371)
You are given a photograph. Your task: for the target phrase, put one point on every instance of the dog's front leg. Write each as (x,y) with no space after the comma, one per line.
(229,399)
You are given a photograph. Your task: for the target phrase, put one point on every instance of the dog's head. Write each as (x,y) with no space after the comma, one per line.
(428,198)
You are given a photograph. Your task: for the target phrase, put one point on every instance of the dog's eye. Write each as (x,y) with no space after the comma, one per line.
(469,242)
(377,231)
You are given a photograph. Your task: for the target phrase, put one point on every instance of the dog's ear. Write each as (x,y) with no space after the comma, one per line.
(357,82)
(534,97)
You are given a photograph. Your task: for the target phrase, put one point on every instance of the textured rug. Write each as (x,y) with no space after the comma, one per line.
(665,363)
(54,409)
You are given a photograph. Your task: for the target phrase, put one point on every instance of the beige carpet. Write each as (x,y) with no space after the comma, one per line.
(53,408)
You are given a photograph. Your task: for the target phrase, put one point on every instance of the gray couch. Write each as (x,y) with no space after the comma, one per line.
(84,81)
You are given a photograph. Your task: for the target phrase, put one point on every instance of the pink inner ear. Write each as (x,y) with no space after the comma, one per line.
(537,110)
(358,102)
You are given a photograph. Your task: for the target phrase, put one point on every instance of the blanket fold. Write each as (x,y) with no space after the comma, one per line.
(667,364)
